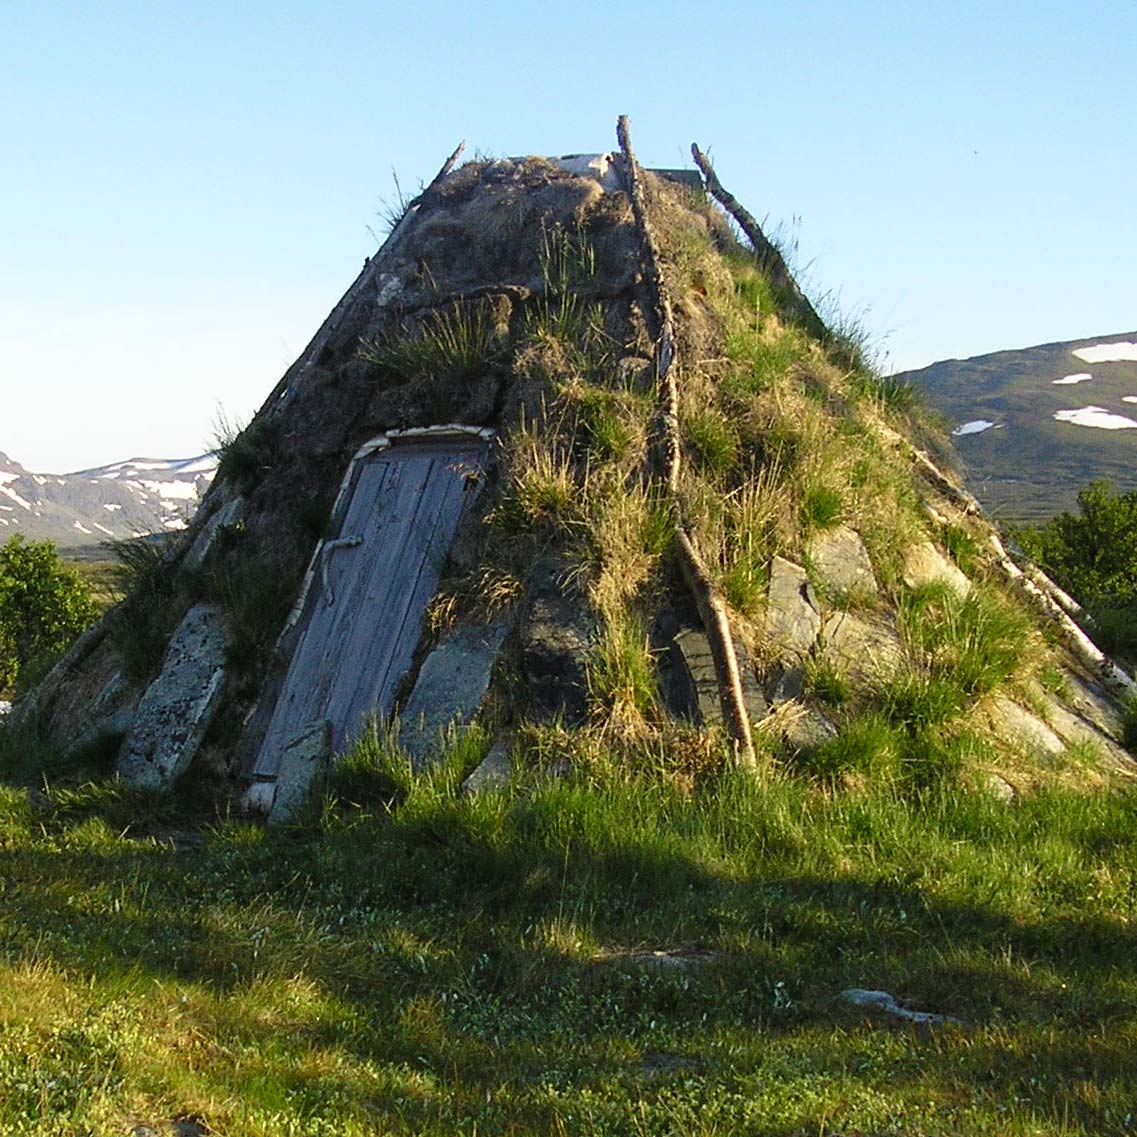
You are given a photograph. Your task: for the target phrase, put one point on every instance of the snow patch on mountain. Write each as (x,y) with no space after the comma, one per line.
(1070,380)
(121,500)
(1107,352)
(1096,416)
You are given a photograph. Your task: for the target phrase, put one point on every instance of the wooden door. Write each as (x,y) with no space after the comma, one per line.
(367,599)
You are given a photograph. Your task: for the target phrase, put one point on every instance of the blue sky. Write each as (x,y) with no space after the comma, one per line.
(188,189)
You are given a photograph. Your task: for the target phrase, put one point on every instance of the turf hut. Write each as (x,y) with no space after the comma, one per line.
(574,472)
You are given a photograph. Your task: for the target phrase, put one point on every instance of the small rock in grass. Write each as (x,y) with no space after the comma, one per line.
(886,1003)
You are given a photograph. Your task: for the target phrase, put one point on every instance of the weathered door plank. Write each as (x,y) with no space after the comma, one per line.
(405,505)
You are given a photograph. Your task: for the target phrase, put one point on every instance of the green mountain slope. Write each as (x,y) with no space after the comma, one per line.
(1039,450)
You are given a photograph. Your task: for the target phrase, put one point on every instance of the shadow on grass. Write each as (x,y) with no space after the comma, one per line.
(482,967)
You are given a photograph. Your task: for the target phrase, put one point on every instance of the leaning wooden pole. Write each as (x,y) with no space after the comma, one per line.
(1050,600)
(765,252)
(665,463)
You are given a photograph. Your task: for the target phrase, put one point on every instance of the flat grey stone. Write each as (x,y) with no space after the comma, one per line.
(448,693)
(492,773)
(1023,729)
(112,712)
(790,686)
(793,618)
(841,564)
(229,514)
(555,648)
(883,1001)
(999,788)
(177,708)
(805,728)
(698,661)
(925,564)
(303,764)
(864,648)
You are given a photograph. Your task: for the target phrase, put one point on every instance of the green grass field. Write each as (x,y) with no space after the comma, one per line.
(413,961)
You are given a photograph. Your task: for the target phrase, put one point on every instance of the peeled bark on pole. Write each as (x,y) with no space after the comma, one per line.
(1081,644)
(765,251)
(716,623)
(666,460)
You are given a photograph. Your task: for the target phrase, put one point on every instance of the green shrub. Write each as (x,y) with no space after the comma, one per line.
(1092,554)
(44,605)
(456,342)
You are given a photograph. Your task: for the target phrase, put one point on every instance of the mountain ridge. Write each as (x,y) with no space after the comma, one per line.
(130,498)
(1029,442)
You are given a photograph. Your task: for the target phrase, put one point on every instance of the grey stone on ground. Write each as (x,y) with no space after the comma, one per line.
(555,647)
(229,514)
(698,664)
(493,772)
(883,1001)
(793,617)
(790,686)
(925,564)
(303,764)
(863,648)
(449,690)
(998,787)
(178,706)
(841,564)
(804,728)
(1023,729)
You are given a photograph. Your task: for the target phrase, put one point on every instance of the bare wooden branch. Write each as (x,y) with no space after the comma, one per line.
(666,462)
(765,252)
(1081,644)
(1054,603)
(666,452)
(716,623)
(447,166)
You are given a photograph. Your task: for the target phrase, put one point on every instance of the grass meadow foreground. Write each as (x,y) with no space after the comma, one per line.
(412,961)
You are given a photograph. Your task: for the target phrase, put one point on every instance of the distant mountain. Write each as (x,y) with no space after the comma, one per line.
(1034,425)
(142,495)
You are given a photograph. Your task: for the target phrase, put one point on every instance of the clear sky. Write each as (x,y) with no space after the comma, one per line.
(187,189)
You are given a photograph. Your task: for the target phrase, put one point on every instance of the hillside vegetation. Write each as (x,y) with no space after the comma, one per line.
(647,931)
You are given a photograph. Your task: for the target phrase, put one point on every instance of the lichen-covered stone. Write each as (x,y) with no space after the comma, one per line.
(793,617)
(804,728)
(841,564)
(303,765)
(696,681)
(448,693)
(493,772)
(862,647)
(925,564)
(555,642)
(1024,730)
(178,706)
(1074,730)
(229,514)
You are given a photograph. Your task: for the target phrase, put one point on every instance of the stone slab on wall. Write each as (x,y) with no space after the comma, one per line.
(449,690)
(178,706)
(694,651)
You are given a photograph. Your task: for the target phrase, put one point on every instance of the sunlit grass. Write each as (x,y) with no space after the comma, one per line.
(411,960)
